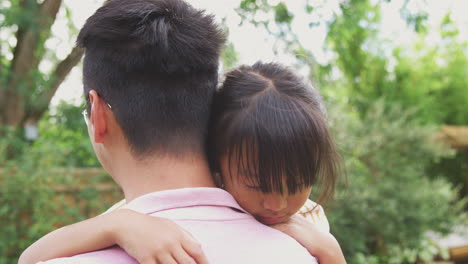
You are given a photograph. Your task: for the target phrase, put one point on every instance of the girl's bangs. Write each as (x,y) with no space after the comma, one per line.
(281,152)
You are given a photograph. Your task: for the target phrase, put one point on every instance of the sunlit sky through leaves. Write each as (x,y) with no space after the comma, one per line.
(254,44)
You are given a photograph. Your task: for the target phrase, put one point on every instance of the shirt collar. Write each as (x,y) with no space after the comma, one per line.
(179,198)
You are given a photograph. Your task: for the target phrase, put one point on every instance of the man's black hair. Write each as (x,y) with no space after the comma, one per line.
(155,62)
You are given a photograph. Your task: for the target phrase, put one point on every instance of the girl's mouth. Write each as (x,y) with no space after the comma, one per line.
(271,220)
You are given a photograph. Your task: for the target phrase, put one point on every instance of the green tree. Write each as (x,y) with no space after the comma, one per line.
(25,91)
(425,75)
(390,204)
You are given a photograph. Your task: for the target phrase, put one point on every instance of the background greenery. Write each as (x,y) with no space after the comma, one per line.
(385,102)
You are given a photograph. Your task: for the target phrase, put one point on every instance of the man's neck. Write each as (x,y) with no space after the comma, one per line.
(137,178)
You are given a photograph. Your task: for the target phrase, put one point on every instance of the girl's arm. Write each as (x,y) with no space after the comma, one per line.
(319,243)
(147,239)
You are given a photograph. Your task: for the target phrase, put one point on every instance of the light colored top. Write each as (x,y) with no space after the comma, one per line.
(227,233)
(311,211)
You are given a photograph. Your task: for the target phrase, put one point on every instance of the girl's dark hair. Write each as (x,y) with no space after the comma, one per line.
(273,123)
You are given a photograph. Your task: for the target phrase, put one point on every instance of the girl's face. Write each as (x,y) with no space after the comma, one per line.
(268,208)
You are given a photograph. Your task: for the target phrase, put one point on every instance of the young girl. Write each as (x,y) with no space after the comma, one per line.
(268,145)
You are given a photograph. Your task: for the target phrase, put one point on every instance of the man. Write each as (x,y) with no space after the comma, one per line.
(150,71)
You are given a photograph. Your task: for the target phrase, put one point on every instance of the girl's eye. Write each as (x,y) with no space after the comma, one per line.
(246,175)
(253,187)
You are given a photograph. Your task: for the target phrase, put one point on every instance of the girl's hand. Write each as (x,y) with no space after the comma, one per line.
(155,240)
(320,244)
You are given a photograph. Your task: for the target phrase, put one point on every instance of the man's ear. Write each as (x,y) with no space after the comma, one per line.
(98,117)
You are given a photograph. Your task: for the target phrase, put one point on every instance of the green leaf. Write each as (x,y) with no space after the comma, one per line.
(282,14)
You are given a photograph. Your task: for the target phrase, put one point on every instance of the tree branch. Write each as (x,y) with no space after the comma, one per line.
(47,14)
(50,8)
(22,28)
(2,95)
(57,77)
(26,60)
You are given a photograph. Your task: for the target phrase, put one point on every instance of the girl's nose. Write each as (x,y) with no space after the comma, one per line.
(274,202)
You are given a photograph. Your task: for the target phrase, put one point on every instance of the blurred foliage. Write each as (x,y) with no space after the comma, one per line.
(31,201)
(432,77)
(36,198)
(229,57)
(64,135)
(390,204)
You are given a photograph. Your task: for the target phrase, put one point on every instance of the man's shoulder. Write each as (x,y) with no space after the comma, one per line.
(244,240)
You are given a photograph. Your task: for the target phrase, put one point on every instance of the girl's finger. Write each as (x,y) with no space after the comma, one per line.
(194,249)
(148,261)
(166,259)
(183,257)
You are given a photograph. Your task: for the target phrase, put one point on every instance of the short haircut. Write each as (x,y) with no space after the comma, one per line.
(274,124)
(155,62)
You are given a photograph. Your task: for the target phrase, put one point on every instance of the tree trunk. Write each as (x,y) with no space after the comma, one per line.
(58,76)
(16,105)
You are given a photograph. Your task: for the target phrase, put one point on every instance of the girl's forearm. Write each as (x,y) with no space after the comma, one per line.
(89,235)
(330,252)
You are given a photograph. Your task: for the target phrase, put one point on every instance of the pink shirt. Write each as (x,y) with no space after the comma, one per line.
(227,233)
